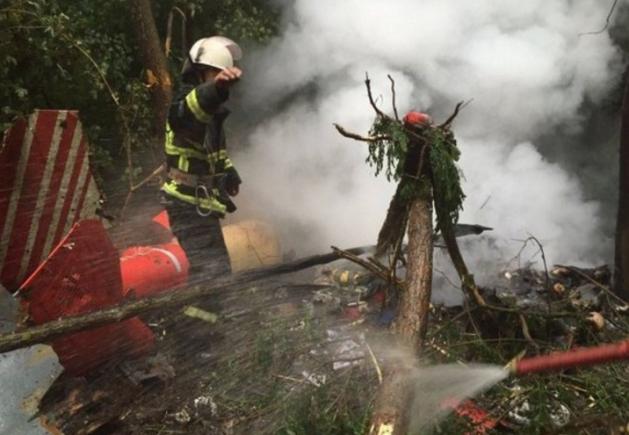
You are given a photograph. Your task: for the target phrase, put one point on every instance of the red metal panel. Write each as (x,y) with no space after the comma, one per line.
(82,274)
(45,184)
(42,138)
(81,201)
(53,189)
(9,155)
(65,211)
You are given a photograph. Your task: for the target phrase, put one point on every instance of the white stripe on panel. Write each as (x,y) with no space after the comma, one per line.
(63,193)
(78,190)
(42,192)
(17,187)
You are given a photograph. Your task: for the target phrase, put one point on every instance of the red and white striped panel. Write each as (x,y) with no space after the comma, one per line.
(45,187)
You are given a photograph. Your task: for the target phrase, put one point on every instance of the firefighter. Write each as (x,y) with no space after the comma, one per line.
(201,177)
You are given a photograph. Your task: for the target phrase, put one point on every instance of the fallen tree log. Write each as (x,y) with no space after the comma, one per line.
(50,330)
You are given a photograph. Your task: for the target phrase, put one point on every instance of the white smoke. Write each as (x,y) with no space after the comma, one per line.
(526,65)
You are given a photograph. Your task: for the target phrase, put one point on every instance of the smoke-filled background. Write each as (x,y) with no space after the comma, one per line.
(530,161)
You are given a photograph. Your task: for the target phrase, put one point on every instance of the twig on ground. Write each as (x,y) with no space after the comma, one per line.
(526,332)
(596,283)
(375,363)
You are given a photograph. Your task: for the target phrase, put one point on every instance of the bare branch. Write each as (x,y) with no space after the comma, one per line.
(541,248)
(454,115)
(358,137)
(397,117)
(607,21)
(371,100)
(169,30)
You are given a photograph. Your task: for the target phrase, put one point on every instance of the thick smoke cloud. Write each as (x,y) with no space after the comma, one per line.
(525,65)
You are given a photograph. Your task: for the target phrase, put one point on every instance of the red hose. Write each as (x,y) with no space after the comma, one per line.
(573,358)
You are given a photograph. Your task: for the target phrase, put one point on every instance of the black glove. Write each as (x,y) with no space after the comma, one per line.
(232,181)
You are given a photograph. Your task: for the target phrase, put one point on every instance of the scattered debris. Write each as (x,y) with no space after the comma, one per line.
(314,379)
(155,367)
(597,320)
(182,416)
(206,401)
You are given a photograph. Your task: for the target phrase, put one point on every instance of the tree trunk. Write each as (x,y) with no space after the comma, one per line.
(412,318)
(389,416)
(411,323)
(154,60)
(621,269)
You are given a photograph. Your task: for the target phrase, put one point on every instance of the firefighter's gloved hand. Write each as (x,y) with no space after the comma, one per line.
(232,181)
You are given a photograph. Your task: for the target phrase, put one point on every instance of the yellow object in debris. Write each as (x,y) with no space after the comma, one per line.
(198,313)
(251,244)
(344,277)
(385,429)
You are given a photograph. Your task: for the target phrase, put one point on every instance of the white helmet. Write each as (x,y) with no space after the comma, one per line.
(216,51)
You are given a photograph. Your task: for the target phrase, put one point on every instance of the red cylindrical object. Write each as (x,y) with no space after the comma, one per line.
(82,275)
(573,358)
(149,270)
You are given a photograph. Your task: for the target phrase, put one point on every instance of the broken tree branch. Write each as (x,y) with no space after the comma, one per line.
(358,137)
(375,269)
(50,330)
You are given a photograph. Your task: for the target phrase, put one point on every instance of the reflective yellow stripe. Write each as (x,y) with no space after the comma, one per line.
(187,152)
(183,164)
(170,187)
(193,104)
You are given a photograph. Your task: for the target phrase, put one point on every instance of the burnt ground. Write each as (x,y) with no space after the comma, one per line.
(242,374)
(290,357)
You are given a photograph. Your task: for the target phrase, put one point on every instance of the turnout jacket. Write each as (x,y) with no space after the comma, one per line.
(195,146)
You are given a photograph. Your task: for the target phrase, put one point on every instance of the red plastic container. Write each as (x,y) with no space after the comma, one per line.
(149,270)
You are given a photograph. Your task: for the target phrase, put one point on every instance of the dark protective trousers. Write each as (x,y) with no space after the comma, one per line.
(201,238)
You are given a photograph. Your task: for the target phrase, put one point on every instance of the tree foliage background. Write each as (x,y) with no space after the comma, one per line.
(81,54)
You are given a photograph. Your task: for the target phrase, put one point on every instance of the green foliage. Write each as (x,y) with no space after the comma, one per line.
(389,154)
(446,177)
(389,151)
(55,55)
(331,409)
(63,54)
